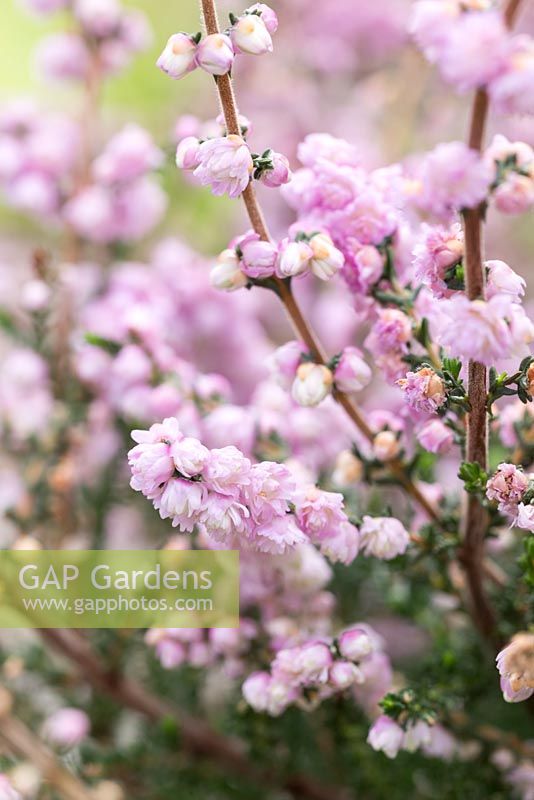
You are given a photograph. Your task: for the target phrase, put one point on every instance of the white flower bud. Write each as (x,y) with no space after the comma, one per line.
(312,384)
(227,275)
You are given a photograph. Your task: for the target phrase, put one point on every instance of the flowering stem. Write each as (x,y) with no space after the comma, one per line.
(283,288)
(476,517)
(196,735)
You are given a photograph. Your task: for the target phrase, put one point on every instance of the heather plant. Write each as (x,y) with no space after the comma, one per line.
(378,488)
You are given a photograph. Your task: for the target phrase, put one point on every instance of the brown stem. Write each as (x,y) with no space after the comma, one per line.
(476,518)
(21,741)
(300,325)
(197,737)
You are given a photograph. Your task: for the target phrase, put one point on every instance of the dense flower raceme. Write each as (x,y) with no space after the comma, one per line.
(472,48)
(249,33)
(309,673)
(236,502)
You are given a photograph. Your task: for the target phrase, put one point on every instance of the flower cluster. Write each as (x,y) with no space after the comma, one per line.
(250,259)
(387,736)
(250,33)
(307,674)
(234,501)
(472,48)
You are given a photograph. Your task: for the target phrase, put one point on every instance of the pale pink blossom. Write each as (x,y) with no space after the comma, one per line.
(516,668)
(386,735)
(182,501)
(259,258)
(423,390)
(225,164)
(128,155)
(525,517)
(383,537)
(279,174)
(502,279)
(391,332)
(437,251)
(343,674)
(294,258)
(343,545)
(453,177)
(226,274)
(319,513)
(284,362)
(268,16)
(326,259)
(313,382)
(507,486)
(515,195)
(188,153)
(355,644)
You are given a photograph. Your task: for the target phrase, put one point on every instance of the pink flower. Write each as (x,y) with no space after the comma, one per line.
(189,456)
(303,665)
(326,259)
(313,382)
(128,155)
(224,518)
(151,460)
(502,279)
(188,153)
(259,259)
(320,513)
(431,24)
(453,177)
(227,471)
(67,727)
(383,537)
(386,736)
(343,674)
(511,92)
(278,536)
(279,174)
(417,734)
(269,492)
(515,195)
(343,545)
(355,644)
(507,486)
(256,690)
(215,54)
(525,517)
(99,17)
(294,258)
(226,275)
(179,56)
(91,213)
(268,16)
(386,445)
(436,437)
(182,501)
(475,329)
(438,250)
(249,34)
(423,390)
(391,332)
(285,360)
(225,164)
(516,668)
(63,56)
(352,373)
(364,266)
(317,147)
(475,50)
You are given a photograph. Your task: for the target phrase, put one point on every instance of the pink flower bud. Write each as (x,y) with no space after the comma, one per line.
(294,258)
(179,56)
(188,153)
(227,274)
(352,373)
(250,35)
(101,18)
(285,360)
(343,674)
(515,195)
(355,644)
(502,279)
(268,16)
(215,54)
(259,259)
(312,384)
(326,259)
(386,446)
(67,727)
(435,437)
(63,56)
(279,174)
